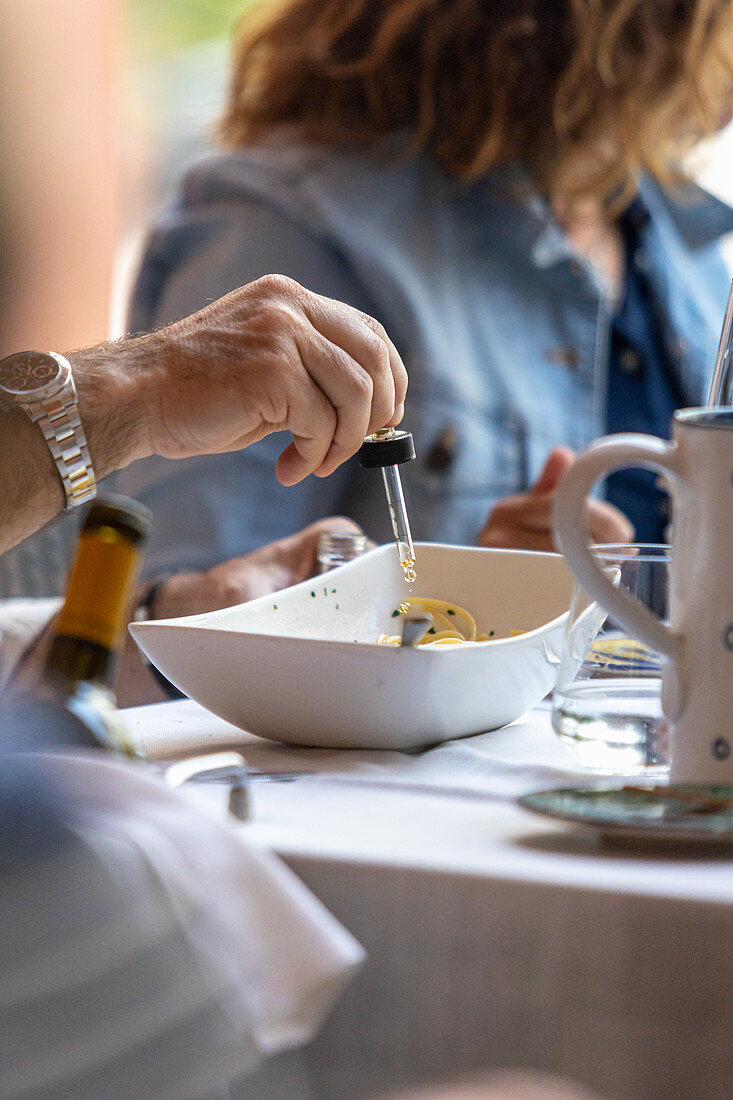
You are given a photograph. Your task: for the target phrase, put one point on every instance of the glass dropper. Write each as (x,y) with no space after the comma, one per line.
(400,522)
(388,449)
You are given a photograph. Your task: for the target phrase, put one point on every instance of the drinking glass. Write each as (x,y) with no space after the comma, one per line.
(338,547)
(606,704)
(721,387)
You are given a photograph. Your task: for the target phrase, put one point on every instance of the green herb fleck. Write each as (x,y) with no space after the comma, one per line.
(491,633)
(395,613)
(313,595)
(337,607)
(333,590)
(432,630)
(274,607)
(450,611)
(325,591)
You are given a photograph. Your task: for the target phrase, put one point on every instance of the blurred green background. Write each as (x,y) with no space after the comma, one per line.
(161,26)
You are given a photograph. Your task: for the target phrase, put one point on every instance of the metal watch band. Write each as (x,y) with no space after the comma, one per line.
(59,421)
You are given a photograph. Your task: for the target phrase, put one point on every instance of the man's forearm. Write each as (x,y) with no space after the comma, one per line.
(30,487)
(114,388)
(268,357)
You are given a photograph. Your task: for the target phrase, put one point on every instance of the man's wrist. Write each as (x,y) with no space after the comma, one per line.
(120,390)
(117,386)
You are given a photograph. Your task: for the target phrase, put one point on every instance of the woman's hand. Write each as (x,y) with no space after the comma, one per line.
(524,521)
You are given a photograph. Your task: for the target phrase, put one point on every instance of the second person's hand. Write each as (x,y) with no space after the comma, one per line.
(524,521)
(268,569)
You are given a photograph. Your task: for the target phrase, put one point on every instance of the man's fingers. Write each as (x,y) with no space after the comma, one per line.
(291,467)
(313,421)
(399,371)
(347,387)
(398,415)
(366,341)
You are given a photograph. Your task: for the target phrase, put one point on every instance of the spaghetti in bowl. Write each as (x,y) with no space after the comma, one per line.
(304,666)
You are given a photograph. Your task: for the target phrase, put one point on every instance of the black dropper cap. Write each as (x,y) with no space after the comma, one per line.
(387,450)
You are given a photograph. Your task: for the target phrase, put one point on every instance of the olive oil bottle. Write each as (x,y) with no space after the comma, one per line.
(74,703)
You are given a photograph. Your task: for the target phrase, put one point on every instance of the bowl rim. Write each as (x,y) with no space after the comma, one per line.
(195,621)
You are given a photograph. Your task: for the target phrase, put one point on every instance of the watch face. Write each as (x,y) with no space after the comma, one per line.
(28,371)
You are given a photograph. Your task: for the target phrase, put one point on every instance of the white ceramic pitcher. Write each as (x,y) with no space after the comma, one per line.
(697,681)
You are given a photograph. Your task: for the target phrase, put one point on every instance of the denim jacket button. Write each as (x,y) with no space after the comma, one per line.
(441,454)
(641,259)
(629,361)
(563,357)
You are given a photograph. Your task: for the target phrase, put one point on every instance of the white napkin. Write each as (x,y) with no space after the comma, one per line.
(21,620)
(158,954)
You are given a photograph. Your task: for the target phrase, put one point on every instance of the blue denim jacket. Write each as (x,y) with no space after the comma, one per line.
(504,331)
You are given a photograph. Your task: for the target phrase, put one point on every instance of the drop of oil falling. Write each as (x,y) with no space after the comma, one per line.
(408,568)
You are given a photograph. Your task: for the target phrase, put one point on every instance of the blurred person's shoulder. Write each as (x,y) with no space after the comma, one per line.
(289,206)
(698,217)
(307,177)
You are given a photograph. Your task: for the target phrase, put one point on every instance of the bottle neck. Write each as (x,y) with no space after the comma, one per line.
(91,626)
(73,660)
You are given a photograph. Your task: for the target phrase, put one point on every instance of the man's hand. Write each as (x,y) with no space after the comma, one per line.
(268,357)
(274,566)
(524,521)
(272,357)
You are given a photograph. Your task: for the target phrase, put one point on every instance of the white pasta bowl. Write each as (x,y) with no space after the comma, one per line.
(303,665)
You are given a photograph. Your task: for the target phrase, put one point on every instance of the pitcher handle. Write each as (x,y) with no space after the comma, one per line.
(606,455)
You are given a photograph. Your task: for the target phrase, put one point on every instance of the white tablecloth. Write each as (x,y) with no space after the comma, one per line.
(495,938)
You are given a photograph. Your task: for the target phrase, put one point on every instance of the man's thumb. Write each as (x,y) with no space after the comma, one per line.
(558,461)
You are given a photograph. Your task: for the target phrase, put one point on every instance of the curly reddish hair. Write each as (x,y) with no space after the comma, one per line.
(588,94)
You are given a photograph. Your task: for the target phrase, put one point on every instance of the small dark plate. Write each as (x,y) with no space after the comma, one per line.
(681,813)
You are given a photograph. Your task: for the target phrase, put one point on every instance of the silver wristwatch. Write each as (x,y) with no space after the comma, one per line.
(41,383)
